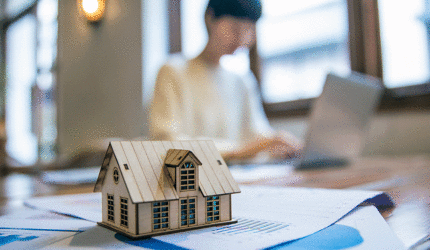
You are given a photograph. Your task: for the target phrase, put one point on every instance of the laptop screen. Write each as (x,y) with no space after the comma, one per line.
(339,119)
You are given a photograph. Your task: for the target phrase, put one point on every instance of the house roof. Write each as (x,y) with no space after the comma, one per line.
(176,156)
(142,165)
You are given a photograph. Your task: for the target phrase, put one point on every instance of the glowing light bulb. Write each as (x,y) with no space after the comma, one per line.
(93,9)
(90,6)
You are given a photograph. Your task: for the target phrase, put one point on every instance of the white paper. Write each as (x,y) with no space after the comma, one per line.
(84,206)
(284,213)
(298,211)
(374,230)
(95,238)
(71,176)
(257,172)
(305,210)
(41,219)
(370,228)
(362,229)
(365,226)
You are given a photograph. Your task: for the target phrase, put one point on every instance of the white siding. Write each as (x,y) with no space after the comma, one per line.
(201,209)
(225,207)
(174,214)
(117,190)
(145,217)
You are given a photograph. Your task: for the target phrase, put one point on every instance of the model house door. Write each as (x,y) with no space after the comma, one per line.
(188,211)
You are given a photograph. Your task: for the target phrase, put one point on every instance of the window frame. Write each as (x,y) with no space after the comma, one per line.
(111,208)
(115,175)
(187,187)
(160,205)
(37,94)
(124,212)
(187,203)
(5,23)
(211,207)
(365,57)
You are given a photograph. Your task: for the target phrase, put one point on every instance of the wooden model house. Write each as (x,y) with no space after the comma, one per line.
(157,187)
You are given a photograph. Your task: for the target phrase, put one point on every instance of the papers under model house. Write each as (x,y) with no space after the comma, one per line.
(158,187)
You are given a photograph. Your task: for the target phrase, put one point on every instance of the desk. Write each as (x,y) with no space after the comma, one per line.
(405,179)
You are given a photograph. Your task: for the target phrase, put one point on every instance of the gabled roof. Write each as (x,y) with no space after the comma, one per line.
(176,156)
(146,179)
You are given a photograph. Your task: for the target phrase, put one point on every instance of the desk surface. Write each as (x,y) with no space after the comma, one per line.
(405,179)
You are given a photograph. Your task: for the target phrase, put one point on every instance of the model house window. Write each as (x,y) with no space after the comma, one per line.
(188,177)
(188,211)
(124,212)
(110,208)
(116,176)
(160,214)
(212,209)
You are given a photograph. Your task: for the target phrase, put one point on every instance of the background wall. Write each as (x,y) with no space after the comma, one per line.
(100,79)
(99,74)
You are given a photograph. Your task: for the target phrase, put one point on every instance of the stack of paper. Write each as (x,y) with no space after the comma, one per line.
(34,229)
(268,217)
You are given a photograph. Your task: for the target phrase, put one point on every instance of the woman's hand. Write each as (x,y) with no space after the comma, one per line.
(281,146)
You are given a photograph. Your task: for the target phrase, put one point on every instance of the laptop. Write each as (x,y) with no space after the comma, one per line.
(339,120)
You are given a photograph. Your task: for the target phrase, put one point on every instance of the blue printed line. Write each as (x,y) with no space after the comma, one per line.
(4,240)
(40,229)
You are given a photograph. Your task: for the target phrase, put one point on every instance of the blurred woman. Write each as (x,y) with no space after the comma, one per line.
(197,98)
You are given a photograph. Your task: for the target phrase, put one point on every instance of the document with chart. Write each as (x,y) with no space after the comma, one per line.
(266,216)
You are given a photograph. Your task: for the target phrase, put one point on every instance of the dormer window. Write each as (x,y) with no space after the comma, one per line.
(183,167)
(188,177)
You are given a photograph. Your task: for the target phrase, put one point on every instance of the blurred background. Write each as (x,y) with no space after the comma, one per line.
(67,84)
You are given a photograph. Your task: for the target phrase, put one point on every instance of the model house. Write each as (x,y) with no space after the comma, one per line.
(157,187)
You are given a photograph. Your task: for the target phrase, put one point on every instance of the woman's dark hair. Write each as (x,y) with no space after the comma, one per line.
(246,9)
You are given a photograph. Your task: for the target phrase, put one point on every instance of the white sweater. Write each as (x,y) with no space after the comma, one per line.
(193,100)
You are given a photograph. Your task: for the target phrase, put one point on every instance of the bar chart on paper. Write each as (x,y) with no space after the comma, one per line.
(10,236)
(247,233)
(250,227)
(30,239)
(266,216)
